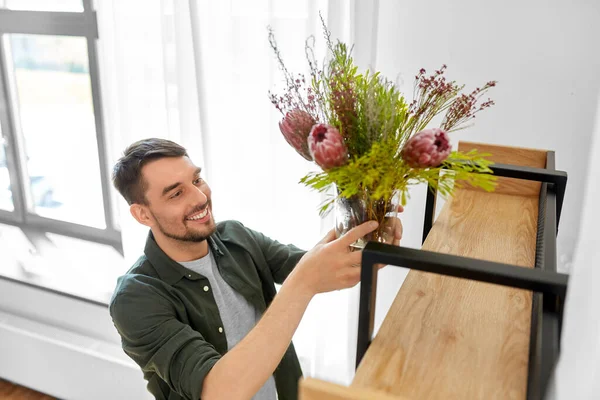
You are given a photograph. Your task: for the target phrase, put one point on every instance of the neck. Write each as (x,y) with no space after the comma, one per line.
(179,250)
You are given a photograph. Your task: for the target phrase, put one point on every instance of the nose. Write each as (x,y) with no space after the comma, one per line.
(200,197)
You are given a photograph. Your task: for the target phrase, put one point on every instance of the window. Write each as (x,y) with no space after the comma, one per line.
(53,164)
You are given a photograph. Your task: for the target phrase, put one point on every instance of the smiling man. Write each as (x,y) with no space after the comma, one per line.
(198,312)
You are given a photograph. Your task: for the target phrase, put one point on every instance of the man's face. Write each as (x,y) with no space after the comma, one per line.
(179,201)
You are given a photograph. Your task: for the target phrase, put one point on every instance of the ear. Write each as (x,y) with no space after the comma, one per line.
(141,214)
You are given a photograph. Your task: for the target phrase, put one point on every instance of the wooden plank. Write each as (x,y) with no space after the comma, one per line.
(315,389)
(449,338)
(513,156)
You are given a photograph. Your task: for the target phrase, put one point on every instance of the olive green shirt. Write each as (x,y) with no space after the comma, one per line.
(169,321)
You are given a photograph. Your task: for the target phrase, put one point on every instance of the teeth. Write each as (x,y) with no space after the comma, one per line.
(199,216)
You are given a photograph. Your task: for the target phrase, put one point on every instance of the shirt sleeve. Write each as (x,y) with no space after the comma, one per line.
(280,258)
(158,342)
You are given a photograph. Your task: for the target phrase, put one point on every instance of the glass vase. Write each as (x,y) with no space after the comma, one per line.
(353,211)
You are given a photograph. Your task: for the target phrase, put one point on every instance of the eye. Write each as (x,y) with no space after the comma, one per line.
(198,181)
(176,194)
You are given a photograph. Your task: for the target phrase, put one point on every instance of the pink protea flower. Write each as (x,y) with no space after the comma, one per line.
(296,126)
(327,146)
(427,149)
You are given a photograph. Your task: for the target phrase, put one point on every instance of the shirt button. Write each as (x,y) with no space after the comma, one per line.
(190,275)
(220,329)
(206,288)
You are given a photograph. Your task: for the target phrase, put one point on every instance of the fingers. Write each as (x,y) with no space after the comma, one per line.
(398,231)
(356,233)
(350,273)
(353,277)
(393,230)
(355,258)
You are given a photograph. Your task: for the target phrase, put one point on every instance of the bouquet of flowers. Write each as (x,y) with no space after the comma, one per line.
(370,142)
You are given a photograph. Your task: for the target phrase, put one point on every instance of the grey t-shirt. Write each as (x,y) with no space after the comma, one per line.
(238,316)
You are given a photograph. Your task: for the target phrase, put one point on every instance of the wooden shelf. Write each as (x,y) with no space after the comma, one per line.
(446,337)
(314,389)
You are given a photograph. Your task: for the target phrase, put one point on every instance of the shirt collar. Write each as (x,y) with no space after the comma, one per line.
(169,270)
(215,245)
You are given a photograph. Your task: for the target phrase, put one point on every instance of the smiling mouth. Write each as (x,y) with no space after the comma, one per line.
(198,216)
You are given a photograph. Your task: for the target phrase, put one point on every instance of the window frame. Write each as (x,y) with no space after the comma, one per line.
(76,24)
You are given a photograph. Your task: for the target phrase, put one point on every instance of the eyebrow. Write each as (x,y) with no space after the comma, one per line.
(173,186)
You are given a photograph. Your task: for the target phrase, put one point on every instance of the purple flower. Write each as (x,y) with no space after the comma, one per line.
(427,149)
(327,146)
(296,126)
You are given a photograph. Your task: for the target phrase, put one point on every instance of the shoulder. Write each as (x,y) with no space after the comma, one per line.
(231,227)
(141,284)
(234,232)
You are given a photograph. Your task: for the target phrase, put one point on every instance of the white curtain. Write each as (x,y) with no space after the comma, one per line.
(148,82)
(198,72)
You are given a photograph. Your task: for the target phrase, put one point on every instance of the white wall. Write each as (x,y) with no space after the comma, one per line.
(544,56)
(578,370)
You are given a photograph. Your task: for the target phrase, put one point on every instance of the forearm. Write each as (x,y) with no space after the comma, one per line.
(246,367)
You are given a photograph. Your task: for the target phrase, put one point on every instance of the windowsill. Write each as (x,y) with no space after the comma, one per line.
(71,267)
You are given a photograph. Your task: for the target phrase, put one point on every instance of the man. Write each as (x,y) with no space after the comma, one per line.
(198,312)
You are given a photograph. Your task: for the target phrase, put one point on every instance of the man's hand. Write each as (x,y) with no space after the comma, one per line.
(331,264)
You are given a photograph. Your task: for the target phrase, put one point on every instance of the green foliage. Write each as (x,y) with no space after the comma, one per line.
(381,111)
(380,174)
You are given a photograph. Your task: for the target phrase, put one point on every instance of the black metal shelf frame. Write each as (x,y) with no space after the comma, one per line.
(548,285)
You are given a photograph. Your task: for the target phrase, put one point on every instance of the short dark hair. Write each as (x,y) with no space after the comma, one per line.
(127,172)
